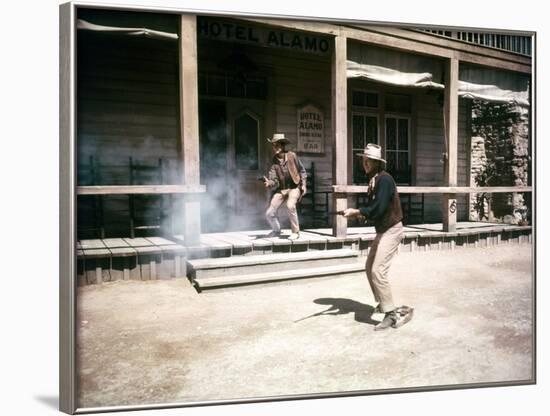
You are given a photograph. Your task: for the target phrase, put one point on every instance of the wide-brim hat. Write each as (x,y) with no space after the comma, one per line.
(372,151)
(278,138)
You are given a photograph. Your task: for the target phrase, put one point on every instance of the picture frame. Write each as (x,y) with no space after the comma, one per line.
(69,125)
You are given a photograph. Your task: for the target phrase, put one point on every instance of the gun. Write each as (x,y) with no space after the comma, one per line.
(336,212)
(261,178)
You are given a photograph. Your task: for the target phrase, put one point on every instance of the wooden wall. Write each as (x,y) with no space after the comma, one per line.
(430,139)
(127,101)
(127,106)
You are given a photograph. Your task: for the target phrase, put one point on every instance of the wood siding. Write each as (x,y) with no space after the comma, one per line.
(430,144)
(127,103)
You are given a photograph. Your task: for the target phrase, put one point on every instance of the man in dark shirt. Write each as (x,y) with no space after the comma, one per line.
(384,208)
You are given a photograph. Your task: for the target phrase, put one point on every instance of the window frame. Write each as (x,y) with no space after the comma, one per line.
(258,120)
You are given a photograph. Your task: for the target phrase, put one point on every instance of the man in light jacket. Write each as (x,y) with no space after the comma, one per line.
(287,180)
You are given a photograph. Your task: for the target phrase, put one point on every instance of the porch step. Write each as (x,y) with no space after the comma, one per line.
(270,267)
(249,279)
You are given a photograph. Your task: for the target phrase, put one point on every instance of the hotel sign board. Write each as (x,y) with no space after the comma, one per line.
(242,32)
(311,129)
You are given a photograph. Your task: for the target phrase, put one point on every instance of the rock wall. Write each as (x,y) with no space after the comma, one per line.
(500,156)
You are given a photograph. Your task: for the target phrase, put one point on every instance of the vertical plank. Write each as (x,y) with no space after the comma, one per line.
(449,208)
(189,125)
(339,130)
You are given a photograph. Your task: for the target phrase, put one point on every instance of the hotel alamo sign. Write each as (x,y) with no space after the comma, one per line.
(311,129)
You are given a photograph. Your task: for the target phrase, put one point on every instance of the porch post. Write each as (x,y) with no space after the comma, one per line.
(449,207)
(189,126)
(339,132)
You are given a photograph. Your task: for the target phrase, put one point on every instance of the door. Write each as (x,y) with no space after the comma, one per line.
(248,161)
(213,149)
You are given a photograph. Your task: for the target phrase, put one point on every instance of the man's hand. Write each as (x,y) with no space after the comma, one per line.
(351,213)
(267,183)
(303,189)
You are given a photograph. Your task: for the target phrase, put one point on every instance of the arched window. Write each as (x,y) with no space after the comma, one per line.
(246,136)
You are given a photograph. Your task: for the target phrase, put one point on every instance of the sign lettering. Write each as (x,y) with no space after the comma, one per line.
(261,36)
(311,129)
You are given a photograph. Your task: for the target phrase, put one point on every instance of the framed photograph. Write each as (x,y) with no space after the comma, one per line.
(262,208)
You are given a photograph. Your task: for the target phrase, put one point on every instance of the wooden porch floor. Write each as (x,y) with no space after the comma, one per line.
(425,236)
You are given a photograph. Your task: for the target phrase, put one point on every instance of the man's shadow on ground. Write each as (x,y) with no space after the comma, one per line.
(340,306)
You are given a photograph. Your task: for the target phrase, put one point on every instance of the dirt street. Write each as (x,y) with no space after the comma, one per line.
(159,341)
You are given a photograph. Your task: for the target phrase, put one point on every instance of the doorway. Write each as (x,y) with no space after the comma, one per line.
(233,158)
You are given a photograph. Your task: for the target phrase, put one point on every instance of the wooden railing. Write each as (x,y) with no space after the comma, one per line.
(358,189)
(513,43)
(139,189)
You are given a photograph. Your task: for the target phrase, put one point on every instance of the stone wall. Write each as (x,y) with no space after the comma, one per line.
(500,156)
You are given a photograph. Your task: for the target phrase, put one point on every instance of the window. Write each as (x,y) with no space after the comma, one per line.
(247,131)
(397,103)
(222,85)
(364,130)
(398,149)
(364,99)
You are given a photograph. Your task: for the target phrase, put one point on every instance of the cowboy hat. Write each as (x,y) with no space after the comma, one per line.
(278,138)
(372,151)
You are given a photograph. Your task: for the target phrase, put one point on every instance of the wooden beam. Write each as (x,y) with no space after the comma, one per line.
(357,189)
(403,40)
(189,124)
(140,189)
(465,49)
(450,118)
(339,130)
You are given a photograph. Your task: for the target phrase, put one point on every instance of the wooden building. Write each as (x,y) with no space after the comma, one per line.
(173,112)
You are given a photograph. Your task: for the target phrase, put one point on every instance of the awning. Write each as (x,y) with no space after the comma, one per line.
(493,85)
(391,76)
(133,31)
(408,70)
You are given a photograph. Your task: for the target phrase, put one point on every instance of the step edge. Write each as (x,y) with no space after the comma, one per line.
(273,277)
(212,263)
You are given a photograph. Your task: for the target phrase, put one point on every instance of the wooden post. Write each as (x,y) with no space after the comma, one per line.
(339,131)
(189,125)
(449,208)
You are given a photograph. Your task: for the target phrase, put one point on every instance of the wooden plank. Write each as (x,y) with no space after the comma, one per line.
(405,43)
(463,47)
(357,189)
(339,129)
(160,241)
(115,243)
(450,112)
(92,244)
(138,242)
(96,253)
(140,189)
(189,122)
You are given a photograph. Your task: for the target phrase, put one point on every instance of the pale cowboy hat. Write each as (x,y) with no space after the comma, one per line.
(372,151)
(278,138)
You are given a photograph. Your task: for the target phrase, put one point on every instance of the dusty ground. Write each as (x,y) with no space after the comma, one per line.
(160,341)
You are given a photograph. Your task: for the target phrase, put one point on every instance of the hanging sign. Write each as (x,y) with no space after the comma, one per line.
(311,129)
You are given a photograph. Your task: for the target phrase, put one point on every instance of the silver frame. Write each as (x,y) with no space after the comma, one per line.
(67,210)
